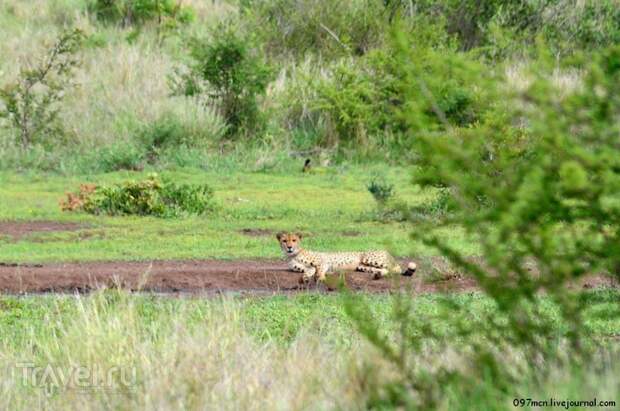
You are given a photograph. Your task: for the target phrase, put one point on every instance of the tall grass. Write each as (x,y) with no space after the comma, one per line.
(124,77)
(122,81)
(196,354)
(180,362)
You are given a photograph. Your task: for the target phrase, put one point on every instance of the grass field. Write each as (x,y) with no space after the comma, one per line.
(284,352)
(335,210)
(277,353)
(502,112)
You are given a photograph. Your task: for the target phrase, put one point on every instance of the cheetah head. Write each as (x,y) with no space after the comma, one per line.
(290,243)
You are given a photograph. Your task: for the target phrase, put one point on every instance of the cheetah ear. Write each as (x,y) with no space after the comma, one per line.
(280,235)
(299,235)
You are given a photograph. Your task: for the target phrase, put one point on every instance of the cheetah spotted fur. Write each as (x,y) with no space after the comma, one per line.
(314,264)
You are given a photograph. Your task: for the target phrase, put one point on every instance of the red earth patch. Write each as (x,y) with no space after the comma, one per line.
(263,277)
(16,230)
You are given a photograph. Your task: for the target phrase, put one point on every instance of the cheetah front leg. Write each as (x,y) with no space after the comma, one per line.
(322,270)
(307,271)
(296,266)
(308,275)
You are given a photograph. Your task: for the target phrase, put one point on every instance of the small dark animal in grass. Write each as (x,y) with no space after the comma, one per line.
(314,264)
(310,169)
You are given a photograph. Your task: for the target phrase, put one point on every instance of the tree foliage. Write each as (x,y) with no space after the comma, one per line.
(536,184)
(229,72)
(32,103)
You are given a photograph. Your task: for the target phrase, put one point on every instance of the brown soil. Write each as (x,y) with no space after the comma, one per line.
(253,276)
(203,276)
(257,232)
(350,233)
(15,230)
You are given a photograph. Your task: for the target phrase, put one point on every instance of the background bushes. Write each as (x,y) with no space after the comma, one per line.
(32,103)
(545,215)
(229,73)
(147,197)
(568,25)
(287,77)
(129,12)
(357,103)
(333,28)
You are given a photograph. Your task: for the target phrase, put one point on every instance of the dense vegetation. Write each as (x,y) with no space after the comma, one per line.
(160,83)
(505,111)
(151,196)
(278,353)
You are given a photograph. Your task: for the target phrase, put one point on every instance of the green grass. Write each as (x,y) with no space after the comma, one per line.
(189,352)
(280,319)
(322,206)
(283,352)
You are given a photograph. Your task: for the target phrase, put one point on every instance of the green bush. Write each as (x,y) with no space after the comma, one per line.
(121,155)
(230,73)
(131,12)
(150,197)
(165,133)
(581,26)
(330,28)
(543,205)
(31,105)
(352,103)
(381,190)
(441,206)
(499,28)
(503,27)
(360,102)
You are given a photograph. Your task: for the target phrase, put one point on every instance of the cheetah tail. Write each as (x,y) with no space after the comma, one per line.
(410,270)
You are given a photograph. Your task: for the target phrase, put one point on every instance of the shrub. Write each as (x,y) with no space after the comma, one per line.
(121,155)
(441,206)
(336,29)
(567,25)
(77,201)
(389,207)
(362,100)
(352,103)
(571,26)
(165,132)
(470,21)
(331,28)
(381,190)
(131,12)
(228,71)
(176,131)
(146,197)
(392,209)
(543,215)
(31,104)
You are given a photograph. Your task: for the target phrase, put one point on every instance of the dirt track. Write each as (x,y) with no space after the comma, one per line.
(211,277)
(15,230)
(208,276)
(199,276)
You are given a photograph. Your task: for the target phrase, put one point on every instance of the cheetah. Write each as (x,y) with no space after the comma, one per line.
(316,264)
